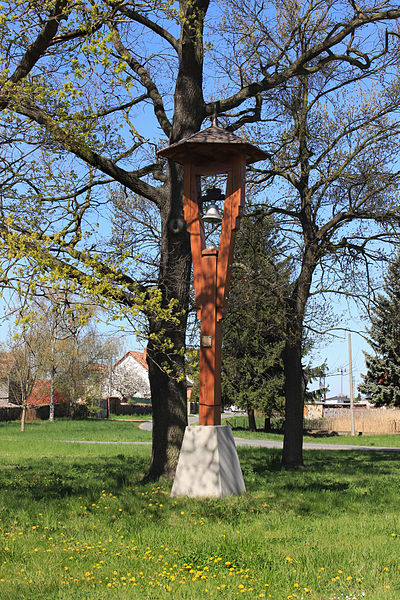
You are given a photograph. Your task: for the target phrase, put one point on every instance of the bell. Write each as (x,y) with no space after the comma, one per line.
(212,215)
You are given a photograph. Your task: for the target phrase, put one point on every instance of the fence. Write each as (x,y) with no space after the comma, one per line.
(13,413)
(125,408)
(369,420)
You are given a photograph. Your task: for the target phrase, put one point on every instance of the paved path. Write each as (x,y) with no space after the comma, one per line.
(312,446)
(148,426)
(261,444)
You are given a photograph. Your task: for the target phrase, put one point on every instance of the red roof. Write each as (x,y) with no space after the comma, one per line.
(139,356)
(41,393)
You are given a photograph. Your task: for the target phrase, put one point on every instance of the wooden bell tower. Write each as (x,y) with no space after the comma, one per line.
(212,151)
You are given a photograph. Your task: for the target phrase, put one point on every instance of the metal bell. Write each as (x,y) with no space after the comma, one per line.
(212,215)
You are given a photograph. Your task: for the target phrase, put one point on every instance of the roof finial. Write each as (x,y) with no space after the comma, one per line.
(214,121)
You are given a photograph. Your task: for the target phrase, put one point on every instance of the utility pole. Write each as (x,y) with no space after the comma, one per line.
(353,432)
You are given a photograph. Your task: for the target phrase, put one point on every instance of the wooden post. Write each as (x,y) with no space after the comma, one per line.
(211,273)
(353,430)
(210,344)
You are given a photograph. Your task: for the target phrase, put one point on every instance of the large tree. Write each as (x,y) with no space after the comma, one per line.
(381,382)
(332,179)
(84,87)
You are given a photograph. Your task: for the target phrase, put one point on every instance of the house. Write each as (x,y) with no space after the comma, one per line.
(6,364)
(338,401)
(41,394)
(130,377)
(4,389)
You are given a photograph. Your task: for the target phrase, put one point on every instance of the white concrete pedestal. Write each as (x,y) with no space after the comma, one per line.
(208,463)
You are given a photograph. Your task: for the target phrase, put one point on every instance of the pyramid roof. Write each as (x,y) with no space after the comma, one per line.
(213,143)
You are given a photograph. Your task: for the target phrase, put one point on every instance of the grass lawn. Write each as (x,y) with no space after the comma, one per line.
(81,429)
(77,523)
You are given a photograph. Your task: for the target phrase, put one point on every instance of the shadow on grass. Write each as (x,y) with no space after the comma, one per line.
(263,461)
(58,478)
(343,478)
(332,480)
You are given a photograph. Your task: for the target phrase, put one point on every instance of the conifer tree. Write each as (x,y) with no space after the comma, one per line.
(253,340)
(382,381)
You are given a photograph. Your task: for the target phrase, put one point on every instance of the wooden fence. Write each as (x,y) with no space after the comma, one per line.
(369,420)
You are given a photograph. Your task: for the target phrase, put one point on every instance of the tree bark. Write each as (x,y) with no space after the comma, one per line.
(292,455)
(51,407)
(167,367)
(23,415)
(52,374)
(252,419)
(168,390)
(169,403)
(267,424)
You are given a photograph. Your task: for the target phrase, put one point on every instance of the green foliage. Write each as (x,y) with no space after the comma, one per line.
(56,340)
(381,382)
(310,374)
(254,325)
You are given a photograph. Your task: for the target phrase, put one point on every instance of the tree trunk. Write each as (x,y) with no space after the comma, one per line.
(167,367)
(23,416)
(252,419)
(166,348)
(292,455)
(51,408)
(169,404)
(267,424)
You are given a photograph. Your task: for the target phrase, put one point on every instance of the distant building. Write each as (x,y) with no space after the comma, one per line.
(344,402)
(6,364)
(41,394)
(327,407)
(130,378)
(340,400)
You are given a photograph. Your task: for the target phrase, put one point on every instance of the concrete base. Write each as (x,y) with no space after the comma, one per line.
(208,463)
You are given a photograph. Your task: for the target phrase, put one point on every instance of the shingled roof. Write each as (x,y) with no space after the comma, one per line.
(212,141)
(140,357)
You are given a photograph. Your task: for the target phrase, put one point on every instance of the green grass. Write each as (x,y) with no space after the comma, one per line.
(65,429)
(78,523)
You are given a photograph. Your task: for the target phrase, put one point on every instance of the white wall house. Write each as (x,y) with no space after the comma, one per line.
(130,378)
